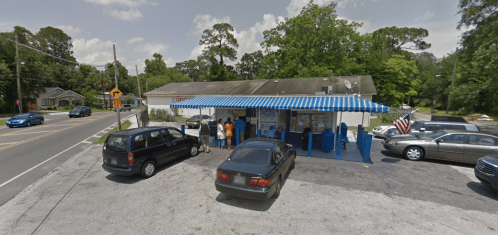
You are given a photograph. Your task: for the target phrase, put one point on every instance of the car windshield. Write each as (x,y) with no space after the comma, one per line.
(431,136)
(21,116)
(258,157)
(117,143)
(76,109)
(196,117)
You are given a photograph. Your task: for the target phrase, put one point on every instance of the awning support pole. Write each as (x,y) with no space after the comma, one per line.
(363,118)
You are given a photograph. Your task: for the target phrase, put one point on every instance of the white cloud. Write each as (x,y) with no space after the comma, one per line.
(93,51)
(130,12)
(69,28)
(203,22)
(130,15)
(425,17)
(196,52)
(151,48)
(133,40)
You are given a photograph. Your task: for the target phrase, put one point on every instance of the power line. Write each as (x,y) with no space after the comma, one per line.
(29,47)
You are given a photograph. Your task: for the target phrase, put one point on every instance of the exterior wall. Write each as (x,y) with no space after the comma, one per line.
(354,118)
(163,102)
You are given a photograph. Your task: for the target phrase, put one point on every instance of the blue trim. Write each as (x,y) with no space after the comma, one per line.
(321,103)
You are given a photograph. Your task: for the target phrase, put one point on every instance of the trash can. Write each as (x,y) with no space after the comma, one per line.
(327,140)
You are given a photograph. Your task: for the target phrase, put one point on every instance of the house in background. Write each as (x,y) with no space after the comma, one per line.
(108,100)
(59,97)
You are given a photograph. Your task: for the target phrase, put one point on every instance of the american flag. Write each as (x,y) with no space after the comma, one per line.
(403,124)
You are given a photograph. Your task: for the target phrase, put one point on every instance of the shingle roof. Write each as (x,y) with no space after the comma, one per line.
(292,86)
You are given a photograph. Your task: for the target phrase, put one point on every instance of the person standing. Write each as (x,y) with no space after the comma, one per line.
(204,130)
(305,137)
(278,134)
(229,131)
(221,134)
(241,125)
(270,133)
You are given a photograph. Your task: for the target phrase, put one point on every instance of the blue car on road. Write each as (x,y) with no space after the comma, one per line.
(25,119)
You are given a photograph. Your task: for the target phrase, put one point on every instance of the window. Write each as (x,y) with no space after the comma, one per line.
(176,134)
(45,101)
(454,127)
(140,141)
(482,140)
(157,137)
(432,127)
(453,138)
(252,156)
(278,154)
(117,143)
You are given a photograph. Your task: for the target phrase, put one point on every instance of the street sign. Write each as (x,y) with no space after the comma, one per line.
(116,93)
(116,103)
(17,102)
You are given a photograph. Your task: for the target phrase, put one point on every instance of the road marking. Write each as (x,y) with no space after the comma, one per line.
(45,135)
(8,143)
(32,168)
(27,133)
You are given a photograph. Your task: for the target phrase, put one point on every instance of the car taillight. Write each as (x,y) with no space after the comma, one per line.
(131,158)
(259,182)
(222,176)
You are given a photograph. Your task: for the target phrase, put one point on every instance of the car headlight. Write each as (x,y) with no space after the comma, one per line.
(22,121)
(8,122)
(393,143)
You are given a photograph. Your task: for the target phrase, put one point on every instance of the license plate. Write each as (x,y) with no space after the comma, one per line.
(114,162)
(239,179)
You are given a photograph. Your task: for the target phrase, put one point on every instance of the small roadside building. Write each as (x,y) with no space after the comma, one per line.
(292,104)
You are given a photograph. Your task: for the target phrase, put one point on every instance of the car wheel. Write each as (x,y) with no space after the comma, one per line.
(90,114)
(414,153)
(28,123)
(11,126)
(194,150)
(41,121)
(277,190)
(293,164)
(148,169)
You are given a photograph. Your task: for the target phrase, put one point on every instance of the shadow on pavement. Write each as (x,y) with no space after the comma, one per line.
(483,190)
(249,204)
(390,160)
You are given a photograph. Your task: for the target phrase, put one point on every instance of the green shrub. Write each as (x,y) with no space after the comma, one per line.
(462,111)
(422,104)
(433,111)
(152,114)
(389,117)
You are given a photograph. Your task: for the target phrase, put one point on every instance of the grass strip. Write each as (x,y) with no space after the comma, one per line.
(125,125)
(3,122)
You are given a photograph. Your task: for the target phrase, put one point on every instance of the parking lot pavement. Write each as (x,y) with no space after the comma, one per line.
(321,196)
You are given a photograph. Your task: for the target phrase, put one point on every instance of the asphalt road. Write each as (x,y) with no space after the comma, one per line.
(29,153)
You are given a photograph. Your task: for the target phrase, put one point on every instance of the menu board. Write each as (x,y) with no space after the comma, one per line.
(315,121)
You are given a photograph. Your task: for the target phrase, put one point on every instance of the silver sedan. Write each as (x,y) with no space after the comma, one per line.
(457,146)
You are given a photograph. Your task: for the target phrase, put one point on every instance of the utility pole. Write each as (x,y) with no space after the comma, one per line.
(18,77)
(103,91)
(452,80)
(116,79)
(146,86)
(140,98)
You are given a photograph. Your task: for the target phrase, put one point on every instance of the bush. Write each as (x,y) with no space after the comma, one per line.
(433,111)
(152,114)
(422,104)
(462,111)
(390,117)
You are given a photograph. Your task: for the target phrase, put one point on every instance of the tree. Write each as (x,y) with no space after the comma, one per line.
(55,42)
(249,66)
(396,83)
(392,39)
(313,42)
(156,66)
(219,41)
(129,100)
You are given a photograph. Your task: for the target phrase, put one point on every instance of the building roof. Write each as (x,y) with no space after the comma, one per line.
(291,86)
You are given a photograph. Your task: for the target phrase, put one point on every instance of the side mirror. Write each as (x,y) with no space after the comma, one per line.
(439,141)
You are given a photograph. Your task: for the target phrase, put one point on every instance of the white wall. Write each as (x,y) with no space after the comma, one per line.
(164,102)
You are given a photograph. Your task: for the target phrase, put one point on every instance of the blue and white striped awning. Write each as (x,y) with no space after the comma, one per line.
(320,103)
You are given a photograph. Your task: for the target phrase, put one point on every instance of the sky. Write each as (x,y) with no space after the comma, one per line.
(173,28)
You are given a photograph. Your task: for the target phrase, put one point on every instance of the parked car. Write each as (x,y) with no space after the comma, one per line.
(80,111)
(405,107)
(445,145)
(427,127)
(142,150)
(256,168)
(486,171)
(124,107)
(195,121)
(25,119)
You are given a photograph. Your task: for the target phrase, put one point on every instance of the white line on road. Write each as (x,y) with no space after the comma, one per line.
(32,168)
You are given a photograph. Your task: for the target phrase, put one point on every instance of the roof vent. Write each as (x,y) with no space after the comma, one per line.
(275,81)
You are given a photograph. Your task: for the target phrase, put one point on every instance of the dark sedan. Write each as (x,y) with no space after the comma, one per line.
(445,145)
(256,168)
(80,111)
(195,121)
(486,170)
(25,119)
